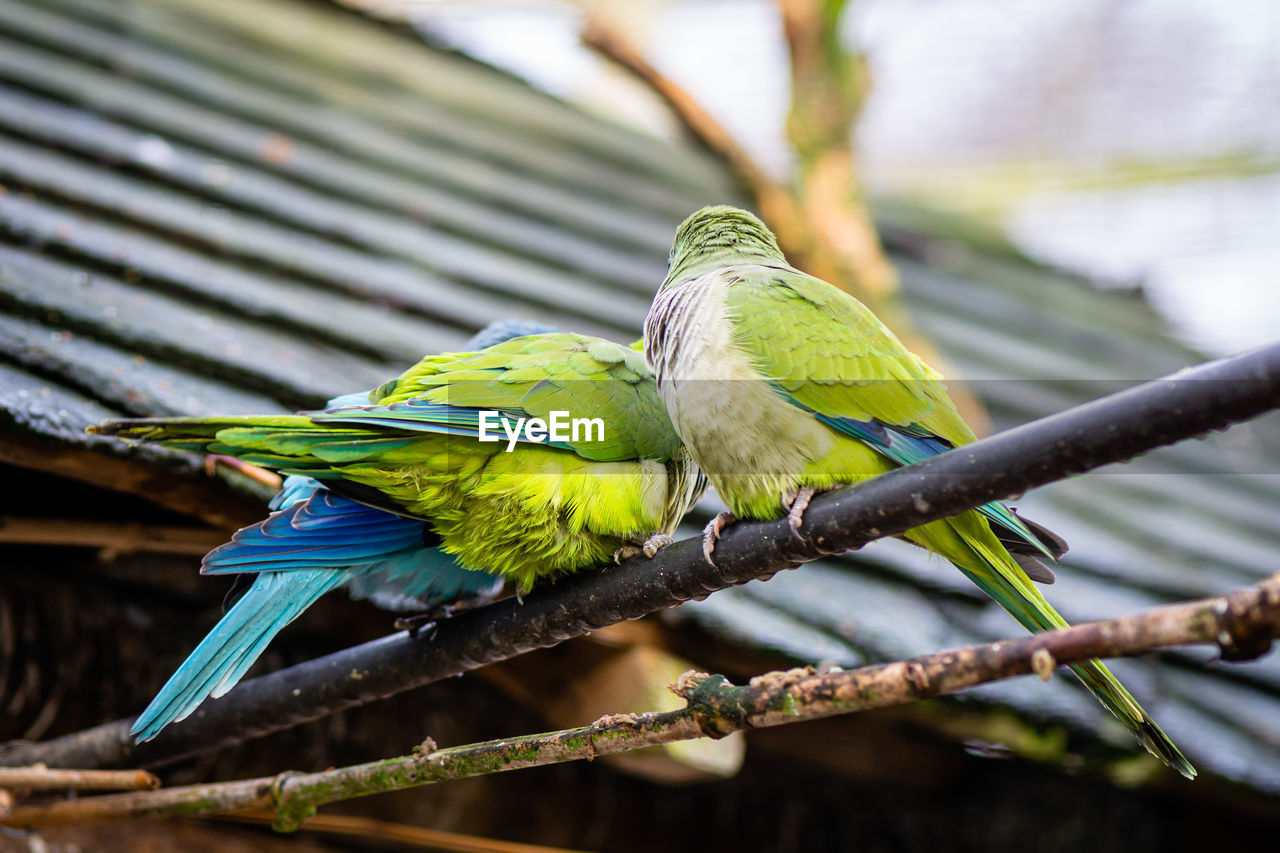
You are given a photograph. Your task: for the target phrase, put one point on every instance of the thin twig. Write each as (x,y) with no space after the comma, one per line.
(1112,429)
(1242,624)
(39,777)
(117,538)
(186,801)
(367,828)
(829,84)
(261,476)
(771,199)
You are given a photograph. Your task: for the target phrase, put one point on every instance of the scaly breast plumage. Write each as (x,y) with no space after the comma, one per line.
(716,397)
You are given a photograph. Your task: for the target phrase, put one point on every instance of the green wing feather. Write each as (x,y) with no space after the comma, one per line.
(834,356)
(534,376)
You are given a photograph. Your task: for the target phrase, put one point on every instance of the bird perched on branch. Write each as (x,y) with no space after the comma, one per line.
(782,386)
(403,496)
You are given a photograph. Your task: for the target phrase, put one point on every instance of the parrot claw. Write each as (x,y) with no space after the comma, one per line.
(650,548)
(712,532)
(796,504)
(416,625)
(655,543)
(626,552)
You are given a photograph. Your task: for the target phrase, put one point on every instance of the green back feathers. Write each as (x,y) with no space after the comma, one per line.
(834,356)
(536,375)
(815,342)
(529,377)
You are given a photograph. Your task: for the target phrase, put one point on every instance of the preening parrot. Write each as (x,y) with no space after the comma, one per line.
(781,385)
(394,495)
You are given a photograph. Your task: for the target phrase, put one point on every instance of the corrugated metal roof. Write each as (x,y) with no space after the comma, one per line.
(250,206)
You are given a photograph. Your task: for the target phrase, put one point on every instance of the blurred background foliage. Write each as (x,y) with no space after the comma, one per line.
(1136,142)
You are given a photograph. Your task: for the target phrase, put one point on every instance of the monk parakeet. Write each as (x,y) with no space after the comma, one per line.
(781,385)
(431,490)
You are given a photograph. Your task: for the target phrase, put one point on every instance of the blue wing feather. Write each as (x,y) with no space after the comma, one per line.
(324,529)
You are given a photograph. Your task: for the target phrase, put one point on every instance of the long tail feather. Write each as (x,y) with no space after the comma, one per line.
(969,543)
(291,444)
(223,657)
(317,542)
(194,429)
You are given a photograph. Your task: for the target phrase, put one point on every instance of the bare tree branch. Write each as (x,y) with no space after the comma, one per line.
(771,199)
(1111,429)
(114,537)
(829,84)
(1242,624)
(381,830)
(40,777)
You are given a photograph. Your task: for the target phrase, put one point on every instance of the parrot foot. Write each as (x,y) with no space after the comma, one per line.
(655,543)
(795,505)
(712,532)
(419,622)
(650,548)
(415,625)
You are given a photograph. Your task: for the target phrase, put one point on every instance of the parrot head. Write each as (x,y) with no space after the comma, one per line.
(712,234)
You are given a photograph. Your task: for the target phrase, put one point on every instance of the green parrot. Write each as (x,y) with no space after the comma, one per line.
(404,497)
(781,386)
(453,441)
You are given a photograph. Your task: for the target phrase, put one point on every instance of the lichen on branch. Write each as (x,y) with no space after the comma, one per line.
(1242,624)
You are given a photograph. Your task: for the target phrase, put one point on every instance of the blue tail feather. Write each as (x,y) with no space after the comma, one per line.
(293,490)
(227,652)
(317,542)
